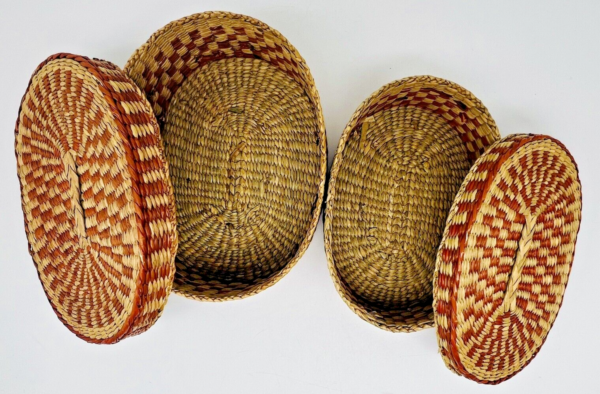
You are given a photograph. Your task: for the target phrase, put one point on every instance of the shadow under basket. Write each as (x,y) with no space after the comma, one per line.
(432,221)
(200,167)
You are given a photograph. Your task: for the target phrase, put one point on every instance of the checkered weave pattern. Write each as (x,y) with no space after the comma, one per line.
(505,258)
(174,52)
(96,196)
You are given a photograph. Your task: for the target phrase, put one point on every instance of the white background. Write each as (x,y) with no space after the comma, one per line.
(536,67)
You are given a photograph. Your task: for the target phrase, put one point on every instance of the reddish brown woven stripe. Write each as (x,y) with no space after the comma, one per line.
(155,243)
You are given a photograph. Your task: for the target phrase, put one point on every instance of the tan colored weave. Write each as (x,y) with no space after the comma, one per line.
(505,257)
(399,164)
(96,196)
(244,135)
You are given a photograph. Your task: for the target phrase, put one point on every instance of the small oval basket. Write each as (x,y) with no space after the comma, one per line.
(225,105)
(431,221)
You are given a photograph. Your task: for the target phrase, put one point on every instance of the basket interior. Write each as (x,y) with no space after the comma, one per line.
(399,166)
(244,137)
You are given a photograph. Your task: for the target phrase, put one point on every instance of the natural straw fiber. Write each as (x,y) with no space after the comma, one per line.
(96,196)
(505,258)
(398,166)
(245,139)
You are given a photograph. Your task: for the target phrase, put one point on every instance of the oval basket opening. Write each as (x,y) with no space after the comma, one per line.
(398,167)
(244,136)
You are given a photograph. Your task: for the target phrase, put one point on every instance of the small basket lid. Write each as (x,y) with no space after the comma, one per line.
(96,196)
(505,257)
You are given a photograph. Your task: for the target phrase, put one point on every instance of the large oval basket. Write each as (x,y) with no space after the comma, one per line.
(245,139)
(430,221)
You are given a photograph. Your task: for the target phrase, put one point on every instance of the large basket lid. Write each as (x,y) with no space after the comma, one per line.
(505,257)
(97,200)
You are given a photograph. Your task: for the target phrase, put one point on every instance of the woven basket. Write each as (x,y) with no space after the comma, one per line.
(423,228)
(244,137)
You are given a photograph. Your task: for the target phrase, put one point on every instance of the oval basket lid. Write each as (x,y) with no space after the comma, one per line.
(505,257)
(96,196)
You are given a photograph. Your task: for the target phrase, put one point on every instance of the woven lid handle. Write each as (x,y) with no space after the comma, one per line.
(510,297)
(75,192)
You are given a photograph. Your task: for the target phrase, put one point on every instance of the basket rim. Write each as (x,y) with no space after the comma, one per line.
(314,98)
(143,238)
(313,94)
(364,312)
